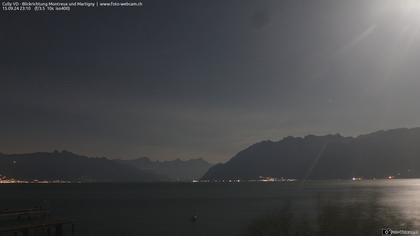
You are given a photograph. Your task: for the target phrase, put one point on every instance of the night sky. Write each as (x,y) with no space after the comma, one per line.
(205,79)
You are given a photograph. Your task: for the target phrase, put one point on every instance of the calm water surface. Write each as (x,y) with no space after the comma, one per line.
(317,208)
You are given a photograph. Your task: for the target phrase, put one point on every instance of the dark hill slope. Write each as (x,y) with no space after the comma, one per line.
(69,166)
(376,155)
(175,170)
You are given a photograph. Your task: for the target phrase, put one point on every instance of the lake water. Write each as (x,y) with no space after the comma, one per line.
(310,208)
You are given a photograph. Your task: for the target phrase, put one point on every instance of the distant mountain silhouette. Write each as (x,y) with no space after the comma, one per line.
(68,166)
(175,170)
(377,155)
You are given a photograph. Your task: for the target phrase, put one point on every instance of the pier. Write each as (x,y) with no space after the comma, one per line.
(33,221)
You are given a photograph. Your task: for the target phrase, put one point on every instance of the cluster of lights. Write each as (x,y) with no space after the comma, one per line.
(261,179)
(360,178)
(7,180)
(269,179)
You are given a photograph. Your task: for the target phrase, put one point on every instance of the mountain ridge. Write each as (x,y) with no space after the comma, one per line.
(68,166)
(175,170)
(379,154)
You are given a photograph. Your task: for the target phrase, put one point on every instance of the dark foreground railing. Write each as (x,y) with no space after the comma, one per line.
(25,222)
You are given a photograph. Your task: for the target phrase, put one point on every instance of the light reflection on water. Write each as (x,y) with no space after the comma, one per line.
(332,207)
(404,195)
(345,208)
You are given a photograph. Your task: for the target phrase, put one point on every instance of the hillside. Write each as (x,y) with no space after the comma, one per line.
(377,155)
(175,170)
(70,167)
